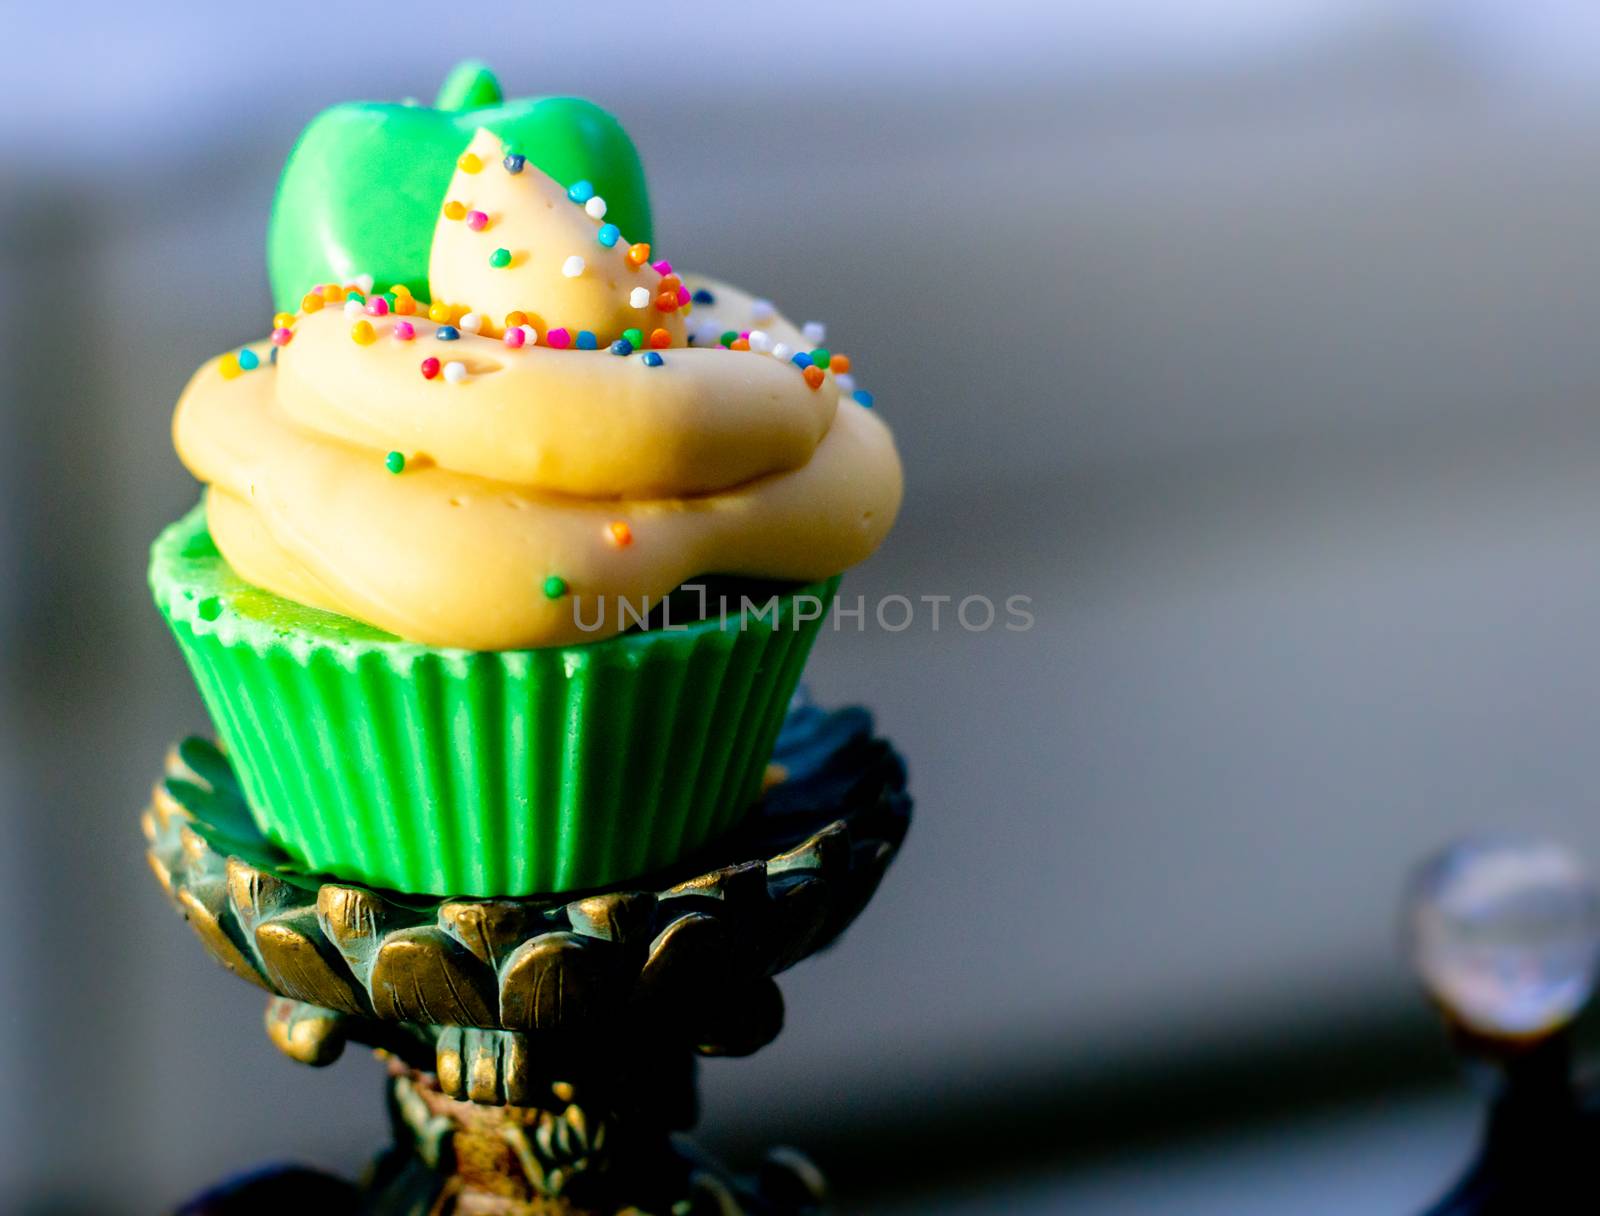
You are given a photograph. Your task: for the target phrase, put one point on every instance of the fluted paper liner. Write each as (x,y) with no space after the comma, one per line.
(453,772)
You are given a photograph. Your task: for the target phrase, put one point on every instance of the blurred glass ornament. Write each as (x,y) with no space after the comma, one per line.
(1504,932)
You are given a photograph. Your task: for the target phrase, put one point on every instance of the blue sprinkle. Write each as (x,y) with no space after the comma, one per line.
(581,192)
(447,333)
(272,355)
(704,297)
(863,398)
(622,347)
(801,359)
(608,235)
(249,360)
(587,340)
(514,163)
(652,359)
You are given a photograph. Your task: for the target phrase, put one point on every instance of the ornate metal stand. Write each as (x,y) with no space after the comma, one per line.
(541,1051)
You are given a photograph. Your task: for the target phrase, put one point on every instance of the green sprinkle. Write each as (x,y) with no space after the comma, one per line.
(821,357)
(729,338)
(389,298)
(635,337)
(210,608)
(395,462)
(555,587)
(499,258)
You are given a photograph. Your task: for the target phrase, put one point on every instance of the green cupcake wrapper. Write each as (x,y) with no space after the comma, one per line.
(454,772)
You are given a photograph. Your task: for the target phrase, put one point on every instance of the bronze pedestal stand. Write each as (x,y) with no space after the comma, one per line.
(541,1051)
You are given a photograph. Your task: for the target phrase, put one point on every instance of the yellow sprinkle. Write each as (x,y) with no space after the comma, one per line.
(282,320)
(311,301)
(400,289)
(228,365)
(439,311)
(363,333)
(516,317)
(454,210)
(469,162)
(332,292)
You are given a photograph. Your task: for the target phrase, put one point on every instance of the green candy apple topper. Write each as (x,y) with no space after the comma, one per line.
(362,189)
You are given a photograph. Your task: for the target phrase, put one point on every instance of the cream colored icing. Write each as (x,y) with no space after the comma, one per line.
(717,461)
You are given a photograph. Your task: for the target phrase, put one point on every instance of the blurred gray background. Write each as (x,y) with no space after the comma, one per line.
(1253,339)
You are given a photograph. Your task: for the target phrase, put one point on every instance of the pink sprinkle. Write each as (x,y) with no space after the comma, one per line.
(404,331)
(477,221)
(377,307)
(683,295)
(559,338)
(745,334)
(280,337)
(514,337)
(661,267)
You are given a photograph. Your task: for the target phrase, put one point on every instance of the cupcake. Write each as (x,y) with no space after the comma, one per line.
(506,566)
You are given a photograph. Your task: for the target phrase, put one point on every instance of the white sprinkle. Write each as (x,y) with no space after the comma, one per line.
(530,335)
(455,372)
(354,308)
(706,333)
(363,281)
(572,267)
(760,341)
(596,207)
(762,310)
(781,351)
(814,331)
(639,297)
(470,323)
(846,382)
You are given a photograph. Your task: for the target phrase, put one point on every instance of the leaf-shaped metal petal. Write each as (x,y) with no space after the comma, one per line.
(422,974)
(302,965)
(553,980)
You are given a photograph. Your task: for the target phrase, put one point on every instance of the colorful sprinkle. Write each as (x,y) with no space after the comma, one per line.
(554,587)
(667,301)
(814,377)
(395,462)
(514,163)
(404,331)
(477,220)
(661,267)
(814,331)
(727,337)
(581,192)
(683,297)
(469,162)
(762,310)
(272,355)
(515,318)
(587,340)
(821,357)
(363,333)
(639,254)
(651,359)
(363,283)
(430,368)
(282,320)
(249,360)
(702,296)
(455,372)
(439,311)
(619,534)
(572,267)
(622,347)
(281,335)
(840,364)
(847,383)
(404,304)
(635,337)
(595,208)
(500,259)
(739,344)
(377,307)
(639,297)
(353,308)
(863,398)
(470,323)
(660,339)
(800,359)
(229,367)
(760,341)
(447,333)
(514,337)
(608,235)
(559,338)
(530,334)
(332,293)
(781,351)
(209,608)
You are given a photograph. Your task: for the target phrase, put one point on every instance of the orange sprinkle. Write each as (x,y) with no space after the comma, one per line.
(739,344)
(311,301)
(404,304)
(660,339)
(839,363)
(363,333)
(639,254)
(439,311)
(469,162)
(515,318)
(332,292)
(670,283)
(454,210)
(813,376)
(667,301)
(619,533)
